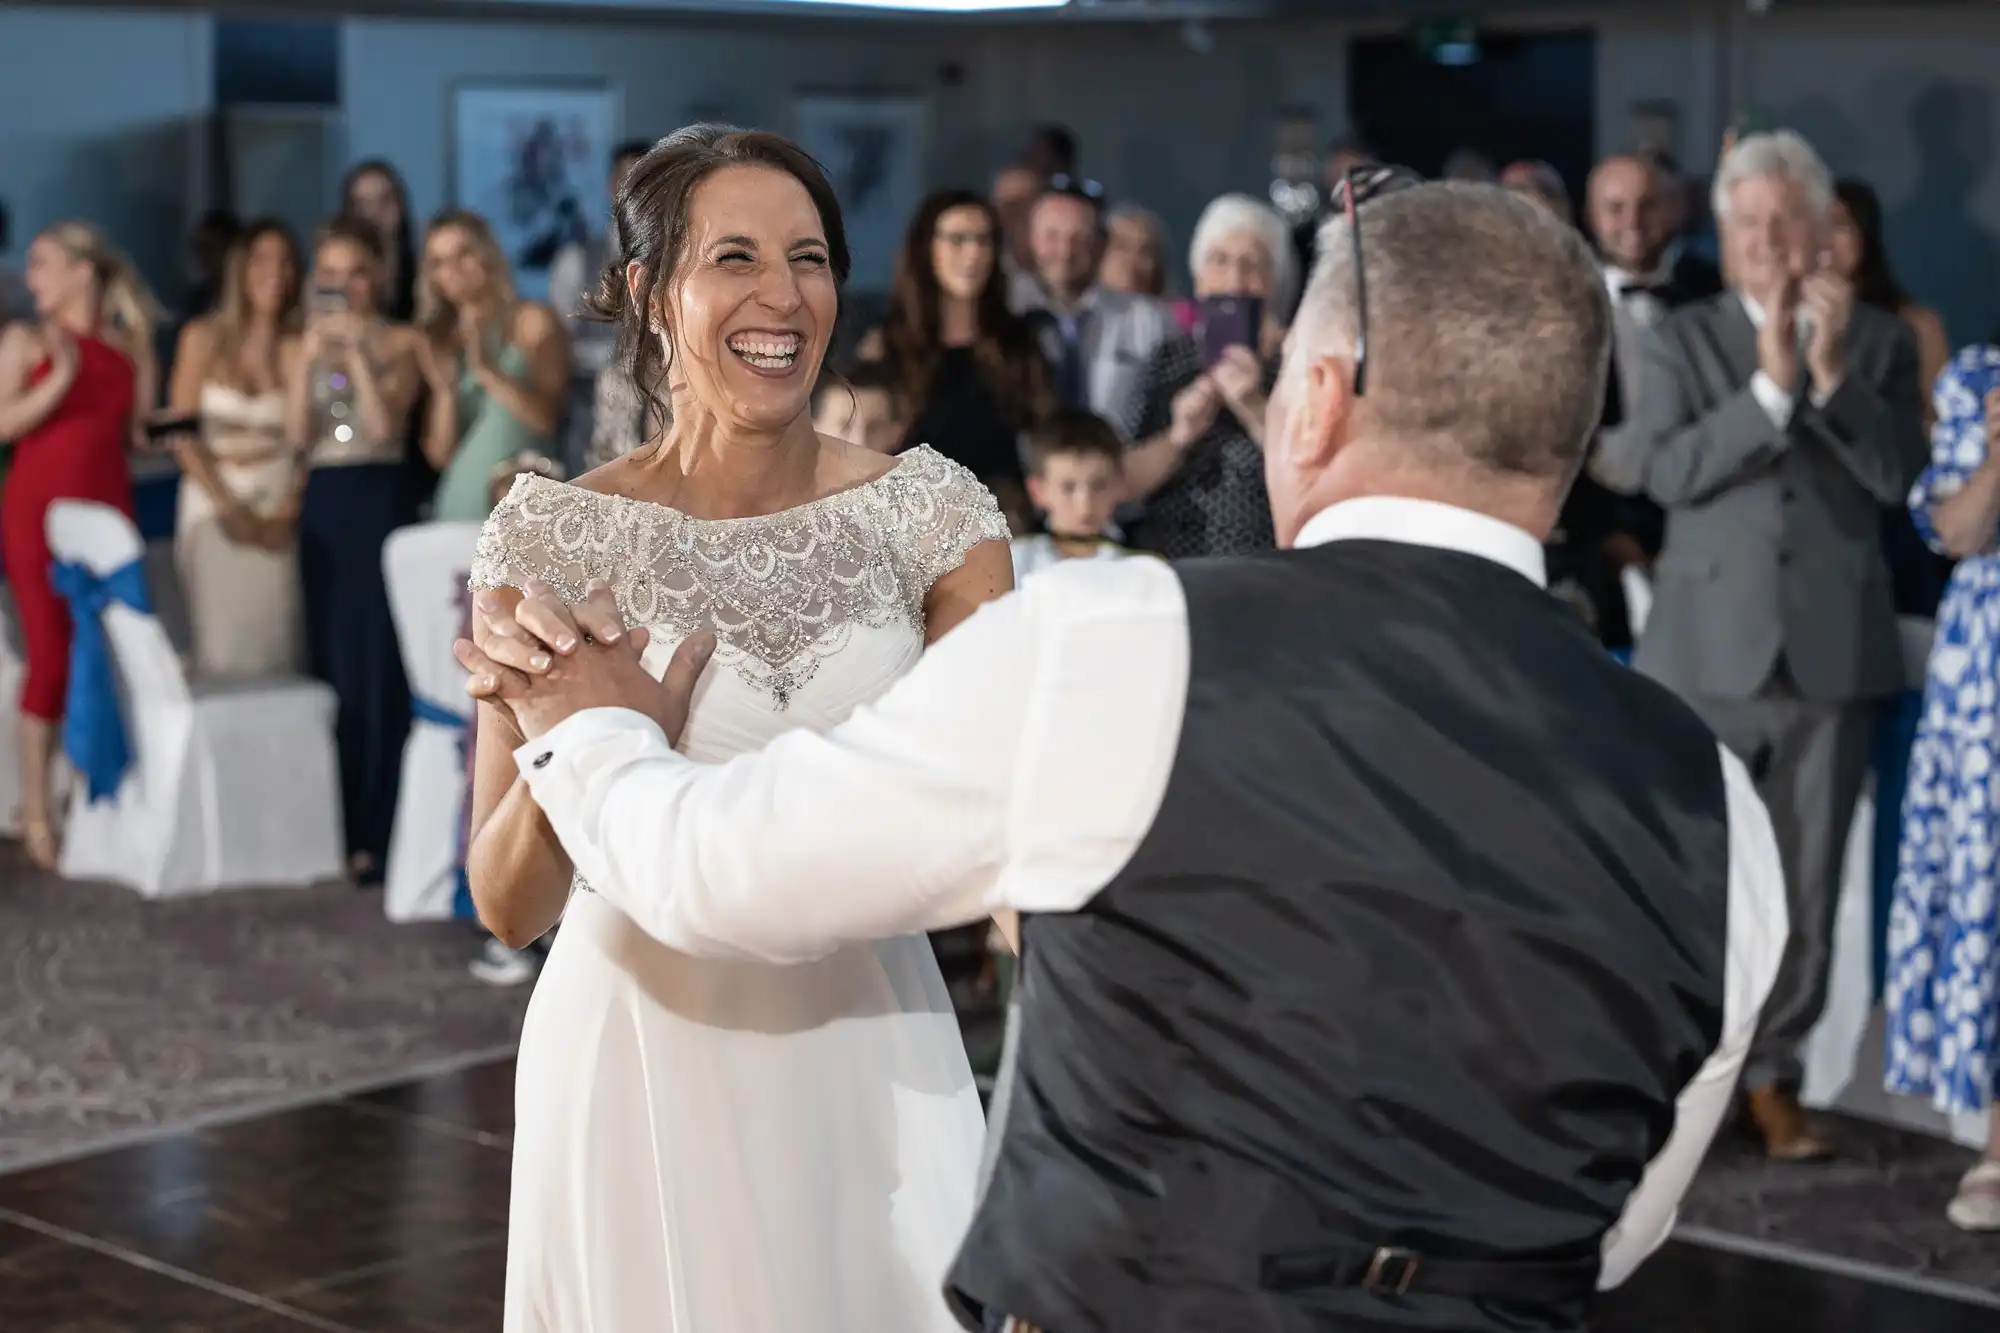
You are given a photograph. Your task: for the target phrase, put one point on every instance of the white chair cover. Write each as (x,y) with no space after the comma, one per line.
(426,567)
(231,785)
(1844,1054)
(1638,590)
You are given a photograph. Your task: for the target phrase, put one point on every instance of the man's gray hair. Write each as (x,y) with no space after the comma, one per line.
(1228,213)
(1489,329)
(1781,153)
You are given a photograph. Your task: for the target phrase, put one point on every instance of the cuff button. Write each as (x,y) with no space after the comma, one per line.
(542,759)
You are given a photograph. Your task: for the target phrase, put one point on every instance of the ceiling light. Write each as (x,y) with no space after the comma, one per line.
(938,6)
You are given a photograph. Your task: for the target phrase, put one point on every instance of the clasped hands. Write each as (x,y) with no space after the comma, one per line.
(543,660)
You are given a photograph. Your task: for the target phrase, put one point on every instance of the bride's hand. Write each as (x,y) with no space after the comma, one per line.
(596,676)
(540,628)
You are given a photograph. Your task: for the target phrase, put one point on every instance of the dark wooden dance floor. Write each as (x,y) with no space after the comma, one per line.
(387,1213)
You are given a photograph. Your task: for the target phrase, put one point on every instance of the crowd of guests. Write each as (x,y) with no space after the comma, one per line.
(317,398)
(1756,525)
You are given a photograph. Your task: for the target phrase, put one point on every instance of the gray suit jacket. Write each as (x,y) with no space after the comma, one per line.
(1119,338)
(1774,533)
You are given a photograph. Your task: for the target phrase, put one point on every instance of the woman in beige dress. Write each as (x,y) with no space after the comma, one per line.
(234,537)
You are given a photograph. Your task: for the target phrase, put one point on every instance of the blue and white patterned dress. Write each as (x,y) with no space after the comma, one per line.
(1940,991)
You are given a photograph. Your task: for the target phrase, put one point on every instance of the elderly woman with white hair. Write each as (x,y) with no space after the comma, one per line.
(1199,465)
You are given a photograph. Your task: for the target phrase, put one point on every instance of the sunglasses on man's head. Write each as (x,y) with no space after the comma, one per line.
(1359,186)
(1081,186)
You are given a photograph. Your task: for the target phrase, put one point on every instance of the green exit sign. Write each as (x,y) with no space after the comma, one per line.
(1447,41)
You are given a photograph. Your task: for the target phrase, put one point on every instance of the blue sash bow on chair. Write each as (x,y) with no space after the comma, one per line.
(435,713)
(93,728)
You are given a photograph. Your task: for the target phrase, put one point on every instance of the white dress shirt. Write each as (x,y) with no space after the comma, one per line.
(1117,334)
(1629,294)
(1020,765)
(1037,552)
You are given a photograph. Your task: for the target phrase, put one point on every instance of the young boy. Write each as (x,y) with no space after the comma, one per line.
(1077,463)
(861,406)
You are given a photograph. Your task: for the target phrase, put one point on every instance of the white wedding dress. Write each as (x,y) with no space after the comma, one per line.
(709,1146)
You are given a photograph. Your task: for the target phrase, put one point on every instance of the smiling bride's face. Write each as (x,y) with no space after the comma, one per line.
(754,302)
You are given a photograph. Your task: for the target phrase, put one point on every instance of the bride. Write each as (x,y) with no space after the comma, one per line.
(714,1146)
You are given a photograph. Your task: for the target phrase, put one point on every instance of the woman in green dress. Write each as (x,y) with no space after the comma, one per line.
(497,367)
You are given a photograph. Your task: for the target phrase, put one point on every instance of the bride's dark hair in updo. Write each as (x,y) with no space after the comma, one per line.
(650,227)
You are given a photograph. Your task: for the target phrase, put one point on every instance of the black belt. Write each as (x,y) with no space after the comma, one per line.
(1387,1271)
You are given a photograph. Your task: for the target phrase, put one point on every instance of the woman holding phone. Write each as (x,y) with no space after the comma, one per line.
(235,524)
(1199,465)
(74,386)
(348,404)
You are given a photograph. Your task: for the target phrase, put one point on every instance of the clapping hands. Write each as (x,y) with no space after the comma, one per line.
(1827,300)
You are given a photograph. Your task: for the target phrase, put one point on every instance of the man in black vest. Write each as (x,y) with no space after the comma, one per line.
(1388,952)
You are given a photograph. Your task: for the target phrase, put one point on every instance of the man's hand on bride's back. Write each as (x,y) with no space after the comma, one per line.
(543,659)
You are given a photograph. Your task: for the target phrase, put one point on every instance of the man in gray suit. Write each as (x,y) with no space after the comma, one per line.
(1773,424)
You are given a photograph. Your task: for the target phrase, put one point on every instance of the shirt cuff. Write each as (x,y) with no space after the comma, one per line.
(1777,404)
(561,742)
(1819,400)
(565,767)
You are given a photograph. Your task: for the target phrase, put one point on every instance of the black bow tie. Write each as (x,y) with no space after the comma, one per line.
(1656,290)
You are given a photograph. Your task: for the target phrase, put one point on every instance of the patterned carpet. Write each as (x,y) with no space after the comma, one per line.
(120,1016)
(1880,1203)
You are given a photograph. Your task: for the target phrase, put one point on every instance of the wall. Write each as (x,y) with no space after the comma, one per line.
(1187,127)
(1907,99)
(1909,102)
(100,118)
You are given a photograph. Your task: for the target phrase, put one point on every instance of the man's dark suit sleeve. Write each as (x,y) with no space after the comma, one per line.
(1875,424)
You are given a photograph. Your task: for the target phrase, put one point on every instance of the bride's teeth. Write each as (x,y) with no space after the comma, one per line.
(767,353)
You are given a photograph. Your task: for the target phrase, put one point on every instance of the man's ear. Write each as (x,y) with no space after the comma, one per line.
(1326,405)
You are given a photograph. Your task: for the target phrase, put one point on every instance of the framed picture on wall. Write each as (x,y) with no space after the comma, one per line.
(533,159)
(873,151)
(1655,128)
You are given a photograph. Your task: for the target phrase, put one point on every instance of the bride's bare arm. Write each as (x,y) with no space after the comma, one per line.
(987,573)
(514,863)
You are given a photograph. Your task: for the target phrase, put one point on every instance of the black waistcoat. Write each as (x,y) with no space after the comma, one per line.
(1422,945)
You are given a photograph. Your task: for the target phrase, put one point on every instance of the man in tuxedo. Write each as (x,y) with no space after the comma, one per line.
(1608,523)
(1773,422)
(1388,952)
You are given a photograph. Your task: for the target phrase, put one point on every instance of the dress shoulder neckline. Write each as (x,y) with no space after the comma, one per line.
(833,500)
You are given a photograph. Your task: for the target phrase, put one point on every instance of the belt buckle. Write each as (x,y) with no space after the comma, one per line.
(1390,1272)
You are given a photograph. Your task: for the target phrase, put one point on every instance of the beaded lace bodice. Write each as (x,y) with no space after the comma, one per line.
(782,592)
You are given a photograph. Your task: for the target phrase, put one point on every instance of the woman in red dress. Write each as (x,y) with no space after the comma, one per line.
(74,386)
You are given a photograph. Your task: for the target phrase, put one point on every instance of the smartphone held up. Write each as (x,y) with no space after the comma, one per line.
(1226,322)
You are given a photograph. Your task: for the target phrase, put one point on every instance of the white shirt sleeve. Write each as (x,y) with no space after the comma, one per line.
(1777,403)
(1758,924)
(1018,765)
